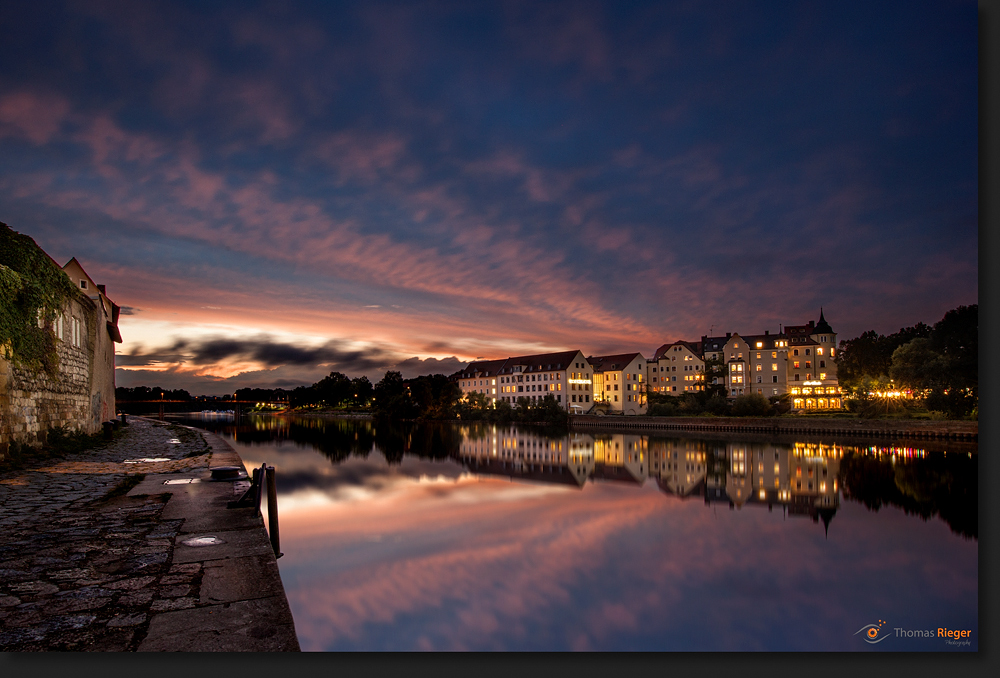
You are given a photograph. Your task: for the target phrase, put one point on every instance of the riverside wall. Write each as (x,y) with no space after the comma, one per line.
(898,429)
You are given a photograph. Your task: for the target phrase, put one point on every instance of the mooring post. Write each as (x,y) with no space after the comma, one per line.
(272,512)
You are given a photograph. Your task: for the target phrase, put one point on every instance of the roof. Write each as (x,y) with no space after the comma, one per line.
(823,325)
(714,343)
(612,363)
(693,346)
(543,361)
(530,363)
(483,368)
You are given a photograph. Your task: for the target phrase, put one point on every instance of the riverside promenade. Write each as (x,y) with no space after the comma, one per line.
(87,566)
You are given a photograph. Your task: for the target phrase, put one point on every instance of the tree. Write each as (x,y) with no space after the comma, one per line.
(752,405)
(333,389)
(917,366)
(715,368)
(869,356)
(392,397)
(361,391)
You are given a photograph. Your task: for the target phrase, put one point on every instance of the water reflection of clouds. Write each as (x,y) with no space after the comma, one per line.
(495,568)
(609,567)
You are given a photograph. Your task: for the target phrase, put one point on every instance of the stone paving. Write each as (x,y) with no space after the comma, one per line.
(83,567)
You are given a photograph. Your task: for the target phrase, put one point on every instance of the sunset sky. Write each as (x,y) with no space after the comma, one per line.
(274,191)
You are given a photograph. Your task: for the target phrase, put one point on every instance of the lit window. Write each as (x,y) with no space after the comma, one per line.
(819,351)
(759,367)
(760,344)
(822,375)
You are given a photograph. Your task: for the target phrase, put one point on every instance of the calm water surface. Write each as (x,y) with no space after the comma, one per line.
(476,537)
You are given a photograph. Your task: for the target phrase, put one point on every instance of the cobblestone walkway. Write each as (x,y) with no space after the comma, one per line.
(82,568)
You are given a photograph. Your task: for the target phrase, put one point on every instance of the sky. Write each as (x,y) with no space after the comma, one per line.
(276,191)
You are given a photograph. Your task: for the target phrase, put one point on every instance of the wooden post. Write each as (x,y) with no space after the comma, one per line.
(272,512)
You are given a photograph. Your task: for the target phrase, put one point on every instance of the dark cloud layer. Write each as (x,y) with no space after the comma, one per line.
(284,365)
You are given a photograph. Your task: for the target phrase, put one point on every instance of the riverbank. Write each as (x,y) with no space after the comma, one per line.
(909,430)
(900,429)
(100,554)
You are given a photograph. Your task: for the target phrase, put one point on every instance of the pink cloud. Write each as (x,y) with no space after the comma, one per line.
(37,117)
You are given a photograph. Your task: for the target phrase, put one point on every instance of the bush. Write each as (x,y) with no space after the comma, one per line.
(752,405)
(717,405)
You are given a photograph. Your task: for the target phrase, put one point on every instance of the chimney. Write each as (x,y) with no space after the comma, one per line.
(728,335)
(766,332)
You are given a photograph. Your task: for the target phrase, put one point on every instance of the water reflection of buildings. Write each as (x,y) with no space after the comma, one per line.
(801,478)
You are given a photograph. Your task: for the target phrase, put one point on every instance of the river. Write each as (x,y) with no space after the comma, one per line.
(479,537)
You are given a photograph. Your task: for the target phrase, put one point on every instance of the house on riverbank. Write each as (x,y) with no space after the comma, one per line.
(57,363)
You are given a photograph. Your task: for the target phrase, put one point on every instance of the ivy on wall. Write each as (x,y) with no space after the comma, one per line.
(32,288)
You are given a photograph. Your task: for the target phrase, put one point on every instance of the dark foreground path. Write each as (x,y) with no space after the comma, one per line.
(86,567)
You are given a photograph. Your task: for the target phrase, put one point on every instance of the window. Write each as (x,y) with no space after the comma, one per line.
(759,367)
(796,364)
(822,375)
(83,284)
(795,352)
(819,351)
(807,351)
(808,363)
(774,379)
(822,363)
(797,377)
(758,355)
(774,354)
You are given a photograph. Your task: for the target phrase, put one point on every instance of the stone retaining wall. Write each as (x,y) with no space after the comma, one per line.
(887,428)
(79,398)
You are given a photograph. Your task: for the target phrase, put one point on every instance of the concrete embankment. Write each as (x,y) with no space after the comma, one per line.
(164,567)
(893,429)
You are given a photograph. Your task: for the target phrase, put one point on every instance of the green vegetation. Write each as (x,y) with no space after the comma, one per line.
(938,366)
(33,290)
(709,403)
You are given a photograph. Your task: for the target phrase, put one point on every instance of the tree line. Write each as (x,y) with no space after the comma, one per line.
(939,365)
(429,397)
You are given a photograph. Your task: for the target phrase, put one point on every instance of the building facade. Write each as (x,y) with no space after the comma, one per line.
(620,382)
(676,369)
(565,376)
(80,395)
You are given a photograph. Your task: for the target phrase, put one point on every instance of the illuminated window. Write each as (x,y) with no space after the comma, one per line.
(796,364)
(759,367)
(822,375)
(819,351)
(760,344)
